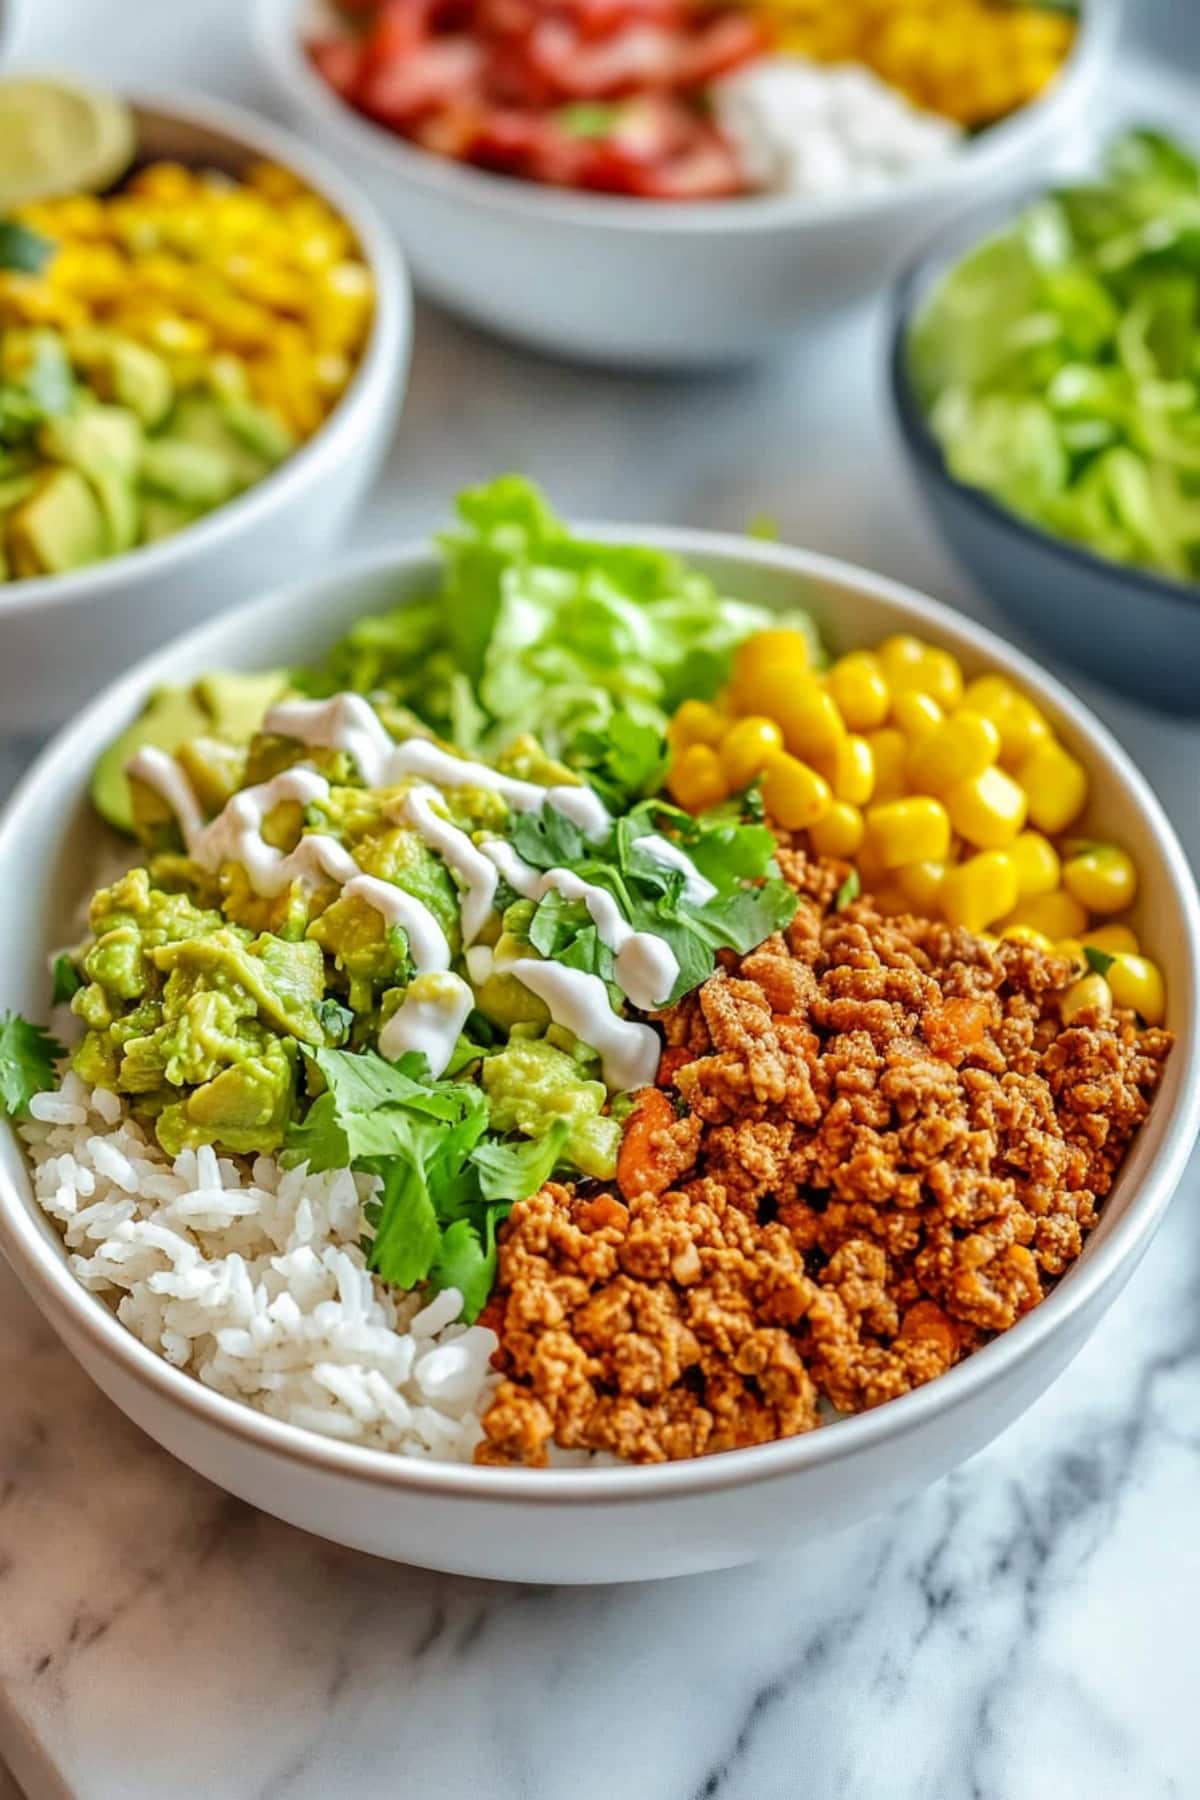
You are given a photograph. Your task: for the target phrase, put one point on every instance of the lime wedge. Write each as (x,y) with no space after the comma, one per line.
(60,139)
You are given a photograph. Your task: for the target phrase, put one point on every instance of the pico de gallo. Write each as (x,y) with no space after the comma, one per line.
(661,99)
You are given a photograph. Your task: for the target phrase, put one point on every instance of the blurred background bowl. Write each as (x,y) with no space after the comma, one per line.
(1134,629)
(656,284)
(63,636)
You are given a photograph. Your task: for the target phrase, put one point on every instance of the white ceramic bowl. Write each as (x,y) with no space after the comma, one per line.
(63,636)
(606,1523)
(660,285)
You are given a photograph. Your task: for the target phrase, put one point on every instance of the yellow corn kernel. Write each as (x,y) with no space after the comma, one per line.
(988,810)
(1056,785)
(1114,940)
(956,749)
(1091,994)
(1025,934)
(794,795)
(889,752)
(860,690)
(696,779)
(902,659)
(1072,949)
(922,883)
(977,892)
(764,654)
(1058,914)
(907,831)
(696,722)
(1137,983)
(915,714)
(941,678)
(811,723)
(839,833)
(1021,726)
(1039,870)
(1101,877)
(747,747)
(853,770)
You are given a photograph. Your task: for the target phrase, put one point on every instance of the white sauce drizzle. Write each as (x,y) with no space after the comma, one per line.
(348,722)
(432,1023)
(628,1051)
(472,867)
(434,1011)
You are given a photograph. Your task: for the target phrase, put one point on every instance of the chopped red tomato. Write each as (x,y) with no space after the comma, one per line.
(598,94)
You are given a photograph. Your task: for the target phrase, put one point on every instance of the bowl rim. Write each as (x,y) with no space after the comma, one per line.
(278,38)
(388,343)
(42,1266)
(908,293)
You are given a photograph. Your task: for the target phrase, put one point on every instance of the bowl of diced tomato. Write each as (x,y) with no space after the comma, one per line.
(666,183)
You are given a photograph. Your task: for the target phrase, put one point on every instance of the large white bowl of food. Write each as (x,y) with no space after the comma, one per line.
(204,338)
(587,1057)
(655,182)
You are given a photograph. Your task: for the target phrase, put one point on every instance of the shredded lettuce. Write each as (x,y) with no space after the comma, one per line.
(588,646)
(1059,362)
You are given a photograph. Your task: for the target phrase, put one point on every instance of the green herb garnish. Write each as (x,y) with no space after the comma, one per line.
(28,1055)
(1098,961)
(67,980)
(446,1183)
(24,251)
(848,893)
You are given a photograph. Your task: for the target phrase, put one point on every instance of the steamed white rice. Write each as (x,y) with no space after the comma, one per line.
(251,1278)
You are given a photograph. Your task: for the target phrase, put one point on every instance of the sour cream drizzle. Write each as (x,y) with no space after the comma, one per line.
(434,1011)
(350,723)
(423,1021)
(646,967)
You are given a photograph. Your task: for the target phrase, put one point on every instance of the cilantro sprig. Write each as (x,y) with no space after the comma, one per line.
(28,1054)
(445,1181)
(750,900)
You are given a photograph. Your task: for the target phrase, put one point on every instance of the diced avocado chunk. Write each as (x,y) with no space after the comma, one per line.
(121,370)
(249,446)
(259,430)
(104,443)
(162,518)
(223,706)
(61,526)
(195,474)
(530,1084)
(236,702)
(172,716)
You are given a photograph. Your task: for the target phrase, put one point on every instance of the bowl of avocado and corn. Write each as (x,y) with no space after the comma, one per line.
(192,400)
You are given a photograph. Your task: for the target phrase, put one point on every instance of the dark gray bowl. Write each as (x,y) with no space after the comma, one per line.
(1135,630)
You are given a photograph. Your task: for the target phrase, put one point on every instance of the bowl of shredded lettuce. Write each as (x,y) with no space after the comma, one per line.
(1046,376)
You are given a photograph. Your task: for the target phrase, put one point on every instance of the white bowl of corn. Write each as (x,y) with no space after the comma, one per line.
(200,369)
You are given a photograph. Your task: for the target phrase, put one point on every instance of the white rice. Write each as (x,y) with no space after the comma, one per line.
(251,1278)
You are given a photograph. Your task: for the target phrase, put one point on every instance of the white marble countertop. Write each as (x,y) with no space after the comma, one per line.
(1023,1630)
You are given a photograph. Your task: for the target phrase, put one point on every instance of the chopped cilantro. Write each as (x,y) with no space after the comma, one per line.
(1098,961)
(848,893)
(67,980)
(548,839)
(444,1182)
(336,1021)
(27,1057)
